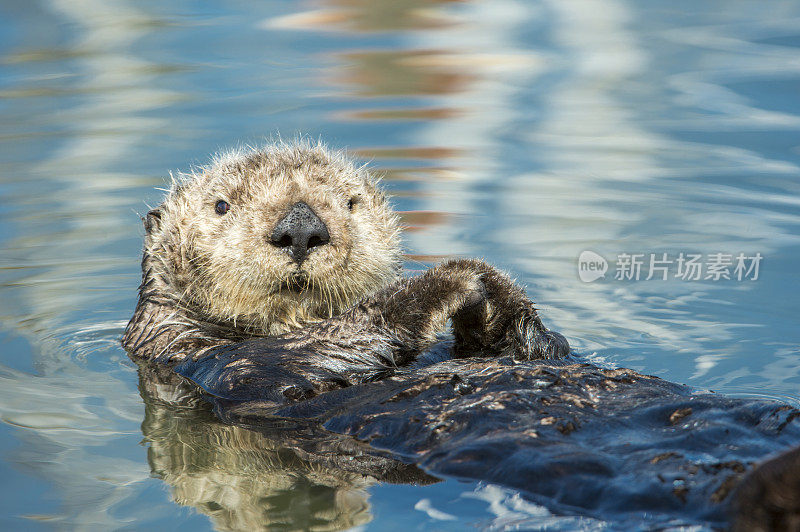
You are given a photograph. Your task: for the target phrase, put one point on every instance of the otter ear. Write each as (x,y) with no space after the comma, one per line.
(152,221)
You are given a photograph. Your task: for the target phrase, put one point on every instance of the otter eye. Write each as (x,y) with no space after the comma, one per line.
(222,207)
(351,203)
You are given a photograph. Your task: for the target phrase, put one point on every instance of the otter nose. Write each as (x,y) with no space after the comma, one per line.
(299,231)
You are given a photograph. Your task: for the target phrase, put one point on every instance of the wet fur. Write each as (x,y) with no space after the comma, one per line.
(219,306)
(212,280)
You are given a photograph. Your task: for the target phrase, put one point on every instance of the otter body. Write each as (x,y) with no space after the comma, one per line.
(272,283)
(294,250)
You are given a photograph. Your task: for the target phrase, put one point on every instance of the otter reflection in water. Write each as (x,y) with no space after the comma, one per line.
(278,474)
(271,282)
(611,444)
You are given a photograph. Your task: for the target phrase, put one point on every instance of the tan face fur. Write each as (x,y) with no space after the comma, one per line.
(225,269)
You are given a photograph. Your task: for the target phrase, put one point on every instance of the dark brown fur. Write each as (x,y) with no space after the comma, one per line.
(768,500)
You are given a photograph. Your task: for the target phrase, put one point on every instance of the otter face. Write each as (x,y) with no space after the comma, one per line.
(271,239)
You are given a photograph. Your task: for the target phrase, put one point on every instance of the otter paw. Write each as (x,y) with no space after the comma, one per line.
(475,300)
(531,341)
(469,322)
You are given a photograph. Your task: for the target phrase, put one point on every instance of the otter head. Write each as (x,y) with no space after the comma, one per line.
(267,240)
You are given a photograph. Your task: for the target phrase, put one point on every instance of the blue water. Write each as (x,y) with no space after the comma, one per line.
(524,132)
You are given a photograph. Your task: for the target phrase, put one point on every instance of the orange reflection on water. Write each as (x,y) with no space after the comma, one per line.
(428,259)
(430,113)
(370,16)
(424,174)
(420,220)
(403,73)
(416,152)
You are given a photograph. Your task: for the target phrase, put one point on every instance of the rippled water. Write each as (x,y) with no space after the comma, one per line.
(522,132)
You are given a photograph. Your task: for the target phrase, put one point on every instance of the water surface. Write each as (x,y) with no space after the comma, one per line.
(521,132)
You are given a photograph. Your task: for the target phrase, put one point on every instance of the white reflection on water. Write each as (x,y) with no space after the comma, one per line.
(512,512)
(612,175)
(72,412)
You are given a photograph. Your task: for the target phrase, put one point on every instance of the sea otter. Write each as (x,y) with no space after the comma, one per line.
(272,283)
(295,246)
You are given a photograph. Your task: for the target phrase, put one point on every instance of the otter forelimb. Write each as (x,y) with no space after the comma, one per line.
(490,316)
